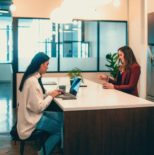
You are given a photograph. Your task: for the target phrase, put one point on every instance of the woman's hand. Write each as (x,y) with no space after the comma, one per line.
(61,91)
(55,93)
(103,77)
(107,85)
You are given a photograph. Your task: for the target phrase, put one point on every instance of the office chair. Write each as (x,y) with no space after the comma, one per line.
(35,133)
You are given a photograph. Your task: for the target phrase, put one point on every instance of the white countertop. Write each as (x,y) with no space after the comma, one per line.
(94,97)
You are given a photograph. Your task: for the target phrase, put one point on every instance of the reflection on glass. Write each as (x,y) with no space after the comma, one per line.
(36,35)
(77,42)
(79,46)
(6,46)
(112,36)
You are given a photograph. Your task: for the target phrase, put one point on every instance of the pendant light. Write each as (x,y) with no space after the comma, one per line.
(12,7)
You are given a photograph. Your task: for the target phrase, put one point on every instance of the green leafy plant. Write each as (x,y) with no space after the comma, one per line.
(75,72)
(113,67)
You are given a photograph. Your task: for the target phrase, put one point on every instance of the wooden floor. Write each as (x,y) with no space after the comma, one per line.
(7,119)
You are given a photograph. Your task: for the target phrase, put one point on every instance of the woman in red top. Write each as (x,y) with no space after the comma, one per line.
(128,74)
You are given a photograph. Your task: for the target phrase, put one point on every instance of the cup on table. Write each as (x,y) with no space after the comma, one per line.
(62,87)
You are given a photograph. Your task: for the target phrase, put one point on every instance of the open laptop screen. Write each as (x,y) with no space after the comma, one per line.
(75,86)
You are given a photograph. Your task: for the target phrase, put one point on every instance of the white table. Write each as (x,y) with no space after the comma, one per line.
(105,121)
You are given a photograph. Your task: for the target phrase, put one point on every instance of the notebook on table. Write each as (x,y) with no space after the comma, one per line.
(73,90)
(48,81)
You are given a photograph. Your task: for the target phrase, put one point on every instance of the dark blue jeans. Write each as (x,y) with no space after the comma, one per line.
(53,123)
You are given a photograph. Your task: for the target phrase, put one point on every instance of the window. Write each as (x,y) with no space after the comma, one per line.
(78,46)
(6,46)
(112,36)
(37,35)
(70,45)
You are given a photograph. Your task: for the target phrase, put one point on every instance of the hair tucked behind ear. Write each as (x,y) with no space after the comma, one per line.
(34,66)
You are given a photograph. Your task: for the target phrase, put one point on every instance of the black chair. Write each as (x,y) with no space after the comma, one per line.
(35,133)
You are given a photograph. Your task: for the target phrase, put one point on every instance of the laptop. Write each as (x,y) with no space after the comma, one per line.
(73,90)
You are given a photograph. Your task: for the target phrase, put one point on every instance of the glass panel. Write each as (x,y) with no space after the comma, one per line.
(61,33)
(67,50)
(77,49)
(6,46)
(61,49)
(76,30)
(67,32)
(37,35)
(112,36)
(84,52)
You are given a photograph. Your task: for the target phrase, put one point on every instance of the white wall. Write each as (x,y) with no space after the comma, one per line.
(5,73)
(43,8)
(137,35)
(150,6)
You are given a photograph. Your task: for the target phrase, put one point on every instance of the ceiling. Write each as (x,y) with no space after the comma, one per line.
(5,5)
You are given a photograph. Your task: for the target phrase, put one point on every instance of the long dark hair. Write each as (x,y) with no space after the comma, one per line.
(129,58)
(34,66)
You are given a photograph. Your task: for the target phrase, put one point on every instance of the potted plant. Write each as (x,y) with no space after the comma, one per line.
(113,67)
(75,72)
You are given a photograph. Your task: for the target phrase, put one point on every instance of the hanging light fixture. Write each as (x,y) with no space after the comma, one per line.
(12,7)
(66,27)
(75,8)
(59,15)
(116,3)
(55,15)
(97,2)
(75,22)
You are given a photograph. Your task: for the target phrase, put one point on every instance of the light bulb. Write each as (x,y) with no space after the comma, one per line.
(66,27)
(12,7)
(116,3)
(75,22)
(53,32)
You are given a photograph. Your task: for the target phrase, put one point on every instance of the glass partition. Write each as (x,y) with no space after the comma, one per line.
(78,46)
(37,35)
(112,36)
(6,46)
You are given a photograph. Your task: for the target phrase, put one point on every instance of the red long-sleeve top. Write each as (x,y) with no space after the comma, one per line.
(129,80)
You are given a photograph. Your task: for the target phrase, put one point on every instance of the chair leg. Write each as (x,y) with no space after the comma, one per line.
(14,142)
(22,144)
(42,144)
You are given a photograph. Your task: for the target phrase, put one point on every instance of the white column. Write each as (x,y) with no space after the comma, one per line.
(137,32)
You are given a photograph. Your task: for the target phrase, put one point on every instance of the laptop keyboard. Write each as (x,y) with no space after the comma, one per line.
(66,96)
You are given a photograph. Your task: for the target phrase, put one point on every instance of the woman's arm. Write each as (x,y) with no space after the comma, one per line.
(135,74)
(113,81)
(47,93)
(35,102)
